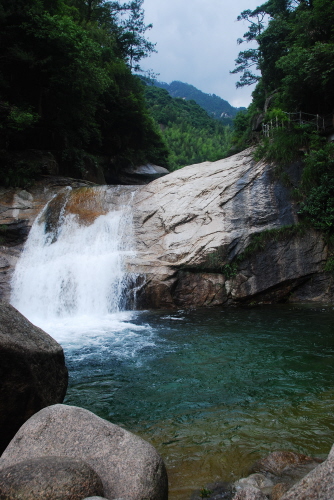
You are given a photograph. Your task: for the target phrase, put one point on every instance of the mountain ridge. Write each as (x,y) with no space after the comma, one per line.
(214,105)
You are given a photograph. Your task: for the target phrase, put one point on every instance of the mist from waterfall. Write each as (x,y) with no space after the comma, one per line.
(70,279)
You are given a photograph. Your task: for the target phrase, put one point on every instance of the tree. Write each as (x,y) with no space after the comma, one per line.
(65,87)
(132,40)
(251,57)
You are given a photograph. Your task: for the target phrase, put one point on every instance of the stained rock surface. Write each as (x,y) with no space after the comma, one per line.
(18,210)
(128,466)
(49,478)
(32,371)
(250,493)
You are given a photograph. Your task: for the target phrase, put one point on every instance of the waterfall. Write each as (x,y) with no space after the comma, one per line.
(72,265)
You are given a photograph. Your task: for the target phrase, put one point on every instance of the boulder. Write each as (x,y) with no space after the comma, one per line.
(277,473)
(32,371)
(258,481)
(195,229)
(214,491)
(127,465)
(250,493)
(49,478)
(99,498)
(278,491)
(316,485)
(279,462)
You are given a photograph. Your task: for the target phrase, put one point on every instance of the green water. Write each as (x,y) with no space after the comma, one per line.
(212,390)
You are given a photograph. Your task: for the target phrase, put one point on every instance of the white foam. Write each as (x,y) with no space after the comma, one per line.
(71,281)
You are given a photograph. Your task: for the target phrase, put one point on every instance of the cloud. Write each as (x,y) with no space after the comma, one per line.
(197,44)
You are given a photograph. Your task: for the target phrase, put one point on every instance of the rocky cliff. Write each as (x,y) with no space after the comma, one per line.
(210,234)
(195,231)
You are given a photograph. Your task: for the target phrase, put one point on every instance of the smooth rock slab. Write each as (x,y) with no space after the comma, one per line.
(32,371)
(190,226)
(49,478)
(128,466)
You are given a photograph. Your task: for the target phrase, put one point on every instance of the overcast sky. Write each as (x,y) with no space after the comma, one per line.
(197,44)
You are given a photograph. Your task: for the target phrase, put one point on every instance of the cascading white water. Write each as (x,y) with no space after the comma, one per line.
(71,276)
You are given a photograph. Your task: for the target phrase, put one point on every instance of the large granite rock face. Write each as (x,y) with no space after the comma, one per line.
(191,225)
(32,371)
(128,466)
(192,231)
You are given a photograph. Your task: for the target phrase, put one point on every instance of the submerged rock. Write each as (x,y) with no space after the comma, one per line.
(275,474)
(250,493)
(280,462)
(32,371)
(258,481)
(49,478)
(128,466)
(317,484)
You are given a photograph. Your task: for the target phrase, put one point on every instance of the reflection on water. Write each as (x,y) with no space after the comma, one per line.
(211,390)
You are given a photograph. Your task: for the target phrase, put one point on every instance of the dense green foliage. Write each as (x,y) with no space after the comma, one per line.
(295,59)
(214,105)
(318,188)
(295,55)
(191,135)
(66,86)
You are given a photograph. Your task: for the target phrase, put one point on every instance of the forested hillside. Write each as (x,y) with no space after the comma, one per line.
(66,87)
(191,135)
(291,115)
(214,105)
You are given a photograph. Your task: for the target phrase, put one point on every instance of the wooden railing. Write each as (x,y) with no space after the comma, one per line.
(321,123)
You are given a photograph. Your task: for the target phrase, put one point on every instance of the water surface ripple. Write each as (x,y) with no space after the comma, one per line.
(212,390)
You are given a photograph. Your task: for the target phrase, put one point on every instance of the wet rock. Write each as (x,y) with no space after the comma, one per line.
(49,478)
(99,498)
(280,462)
(127,465)
(317,485)
(250,493)
(258,481)
(277,473)
(18,210)
(278,491)
(32,371)
(214,491)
